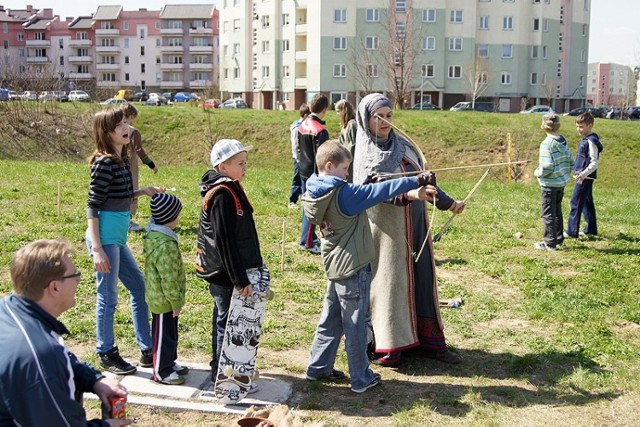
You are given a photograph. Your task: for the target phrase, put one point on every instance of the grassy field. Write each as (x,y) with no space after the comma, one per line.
(547,338)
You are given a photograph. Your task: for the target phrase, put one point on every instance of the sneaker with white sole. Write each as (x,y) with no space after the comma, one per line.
(315,249)
(374,382)
(171,379)
(253,388)
(335,375)
(293,205)
(180,370)
(111,361)
(543,246)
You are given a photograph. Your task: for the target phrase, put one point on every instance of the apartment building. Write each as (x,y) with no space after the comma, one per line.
(174,48)
(611,84)
(513,53)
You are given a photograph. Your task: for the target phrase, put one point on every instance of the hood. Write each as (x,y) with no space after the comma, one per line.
(210,179)
(316,200)
(153,240)
(558,143)
(593,137)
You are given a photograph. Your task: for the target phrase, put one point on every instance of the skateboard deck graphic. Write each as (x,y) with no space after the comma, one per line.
(236,370)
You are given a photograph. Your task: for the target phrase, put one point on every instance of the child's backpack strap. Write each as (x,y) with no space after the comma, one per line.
(211,192)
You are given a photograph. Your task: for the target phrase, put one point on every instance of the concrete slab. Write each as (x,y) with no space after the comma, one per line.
(197,392)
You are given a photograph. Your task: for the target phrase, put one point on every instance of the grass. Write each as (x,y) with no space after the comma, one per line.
(546,337)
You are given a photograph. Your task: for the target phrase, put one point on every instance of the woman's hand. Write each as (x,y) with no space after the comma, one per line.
(100,260)
(427,193)
(246,291)
(150,191)
(457,207)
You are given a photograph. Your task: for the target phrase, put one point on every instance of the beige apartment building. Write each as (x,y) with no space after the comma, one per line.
(277,54)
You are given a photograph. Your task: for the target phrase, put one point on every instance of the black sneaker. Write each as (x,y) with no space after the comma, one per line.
(374,382)
(146,359)
(112,362)
(335,375)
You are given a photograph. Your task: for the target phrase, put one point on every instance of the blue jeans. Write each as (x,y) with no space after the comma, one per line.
(308,236)
(123,267)
(296,183)
(222,297)
(345,311)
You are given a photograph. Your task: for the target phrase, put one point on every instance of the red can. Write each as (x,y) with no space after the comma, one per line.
(118,407)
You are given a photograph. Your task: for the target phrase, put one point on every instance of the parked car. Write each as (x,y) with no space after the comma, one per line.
(487,107)
(633,112)
(195,96)
(614,113)
(538,109)
(182,97)
(595,112)
(425,106)
(168,96)
(13,95)
(211,103)
(234,103)
(29,95)
(53,95)
(140,96)
(114,102)
(79,96)
(4,94)
(156,99)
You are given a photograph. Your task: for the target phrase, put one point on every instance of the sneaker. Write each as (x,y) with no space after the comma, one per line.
(146,358)
(253,388)
(315,249)
(171,379)
(544,246)
(135,227)
(582,234)
(335,375)
(112,362)
(374,382)
(568,236)
(293,205)
(180,370)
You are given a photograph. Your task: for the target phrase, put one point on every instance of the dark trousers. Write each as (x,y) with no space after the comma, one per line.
(552,216)
(582,205)
(296,184)
(308,236)
(165,344)
(222,298)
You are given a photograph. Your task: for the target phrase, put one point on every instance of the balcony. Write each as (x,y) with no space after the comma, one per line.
(200,30)
(195,66)
(80,43)
(172,31)
(301,28)
(199,84)
(108,84)
(100,32)
(101,67)
(172,85)
(301,82)
(38,60)
(201,49)
(107,49)
(171,49)
(301,55)
(171,66)
(80,59)
(38,43)
(81,76)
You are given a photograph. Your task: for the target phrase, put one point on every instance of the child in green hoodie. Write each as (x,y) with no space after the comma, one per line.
(166,285)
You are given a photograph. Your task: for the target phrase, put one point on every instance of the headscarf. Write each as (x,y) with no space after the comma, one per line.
(373,154)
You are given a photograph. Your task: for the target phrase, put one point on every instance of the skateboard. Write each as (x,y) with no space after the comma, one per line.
(237,370)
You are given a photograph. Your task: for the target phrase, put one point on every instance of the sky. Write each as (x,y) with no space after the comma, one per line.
(615,24)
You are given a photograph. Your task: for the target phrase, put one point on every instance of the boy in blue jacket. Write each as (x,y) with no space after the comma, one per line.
(347,251)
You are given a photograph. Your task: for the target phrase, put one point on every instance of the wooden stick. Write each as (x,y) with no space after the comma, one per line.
(59,191)
(282,255)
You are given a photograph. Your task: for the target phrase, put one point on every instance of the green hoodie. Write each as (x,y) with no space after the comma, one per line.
(164,273)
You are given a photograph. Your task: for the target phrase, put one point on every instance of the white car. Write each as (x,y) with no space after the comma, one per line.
(29,95)
(79,95)
(538,109)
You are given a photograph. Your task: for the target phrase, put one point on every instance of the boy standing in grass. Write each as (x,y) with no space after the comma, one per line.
(553,173)
(585,172)
(347,251)
(228,248)
(166,286)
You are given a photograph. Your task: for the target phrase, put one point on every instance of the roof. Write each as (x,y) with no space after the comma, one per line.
(187,11)
(40,24)
(81,23)
(107,13)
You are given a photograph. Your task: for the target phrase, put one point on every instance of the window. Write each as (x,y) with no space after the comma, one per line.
(505,78)
(455,43)
(285,19)
(484,22)
(5,44)
(371,43)
(455,17)
(533,79)
(236,48)
(108,77)
(429,43)
(337,96)
(265,21)
(544,52)
(226,73)
(61,43)
(339,70)
(141,50)
(372,70)
(401,6)
(285,45)
(126,59)
(236,25)
(483,51)
(372,15)
(125,25)
(286,71)
(545,25)
(236,72)
(142,68)
(428,70)
(201,76)
(265,46)
(39,36)
(455,72)
(158,60)
(507,51)
(429,15)
(340,15)
(62,60)
(339,43)
(534,52)
(581,81)
(20,36)
(536,24)
(584,30)
(507,23)
(583,56)
(142,33)
(401,30)
(157,25)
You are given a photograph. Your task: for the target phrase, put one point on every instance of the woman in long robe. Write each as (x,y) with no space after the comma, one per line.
(404,297)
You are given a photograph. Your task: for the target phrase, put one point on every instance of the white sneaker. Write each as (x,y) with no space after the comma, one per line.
(293,205)
(315,249)
(253,388)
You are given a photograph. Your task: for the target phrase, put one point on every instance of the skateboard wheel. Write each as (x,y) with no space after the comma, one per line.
(270,295)
(228,371)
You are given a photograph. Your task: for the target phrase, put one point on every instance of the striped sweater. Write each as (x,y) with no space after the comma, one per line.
(110,188)
(555,161)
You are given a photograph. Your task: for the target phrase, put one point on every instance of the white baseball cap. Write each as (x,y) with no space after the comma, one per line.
(225,149)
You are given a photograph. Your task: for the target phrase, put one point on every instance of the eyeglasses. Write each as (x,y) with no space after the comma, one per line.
(71,276)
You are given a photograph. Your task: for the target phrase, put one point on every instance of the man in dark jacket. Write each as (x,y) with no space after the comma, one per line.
(41,381)
(311,134)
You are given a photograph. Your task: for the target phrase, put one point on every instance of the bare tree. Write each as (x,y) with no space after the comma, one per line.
(360,74)
(476,78)
(550,89)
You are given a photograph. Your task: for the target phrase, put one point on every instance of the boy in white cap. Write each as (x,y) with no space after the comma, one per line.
(228,248)
(166,286)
